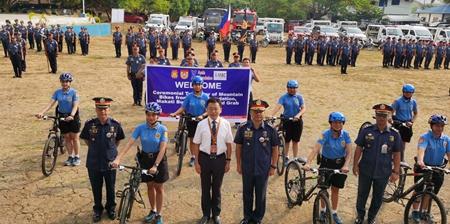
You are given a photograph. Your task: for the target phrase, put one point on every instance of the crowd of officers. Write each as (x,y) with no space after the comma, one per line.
(15,37)
(402,53)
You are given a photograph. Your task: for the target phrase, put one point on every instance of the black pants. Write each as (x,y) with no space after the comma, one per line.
(210,50)
(31,40)
(118,48)
(253,54)
(226,52)
(289,52)
(354,57)
(391,60)
(212,172)
(186,49)
(152,51)
(175,53)
(84,48)
(137,89)
(53,62)
(298,56)
(446,62)
(143,51)
(428,61)
(165,51)
(96,178)
(254,192)
(38,44)
(319,58)
(438,61)
(418,61)
(130,49)
(17,64)
(5,48)
(309,57)
(364,184)
(398,60)
(60,45)
(344,64)
(24,62)
(240,52)
(332,59)
(408,61)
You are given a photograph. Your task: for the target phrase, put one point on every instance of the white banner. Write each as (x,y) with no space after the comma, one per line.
(117,15)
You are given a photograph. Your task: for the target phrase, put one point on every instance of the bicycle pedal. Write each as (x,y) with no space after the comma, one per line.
(119,194)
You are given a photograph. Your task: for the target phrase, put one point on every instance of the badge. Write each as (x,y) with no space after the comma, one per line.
(157,135)
(248,134)
(445,144)
(109,134)
(391,138)
(382,107)
(421,140)
(262,139)
(384,148)
(94,129)
(296,101)
(258,102)
(265,134)
(343,144)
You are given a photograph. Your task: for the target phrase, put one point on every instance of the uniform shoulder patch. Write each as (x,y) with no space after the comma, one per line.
(89,120)
(242,124)
(394,129)
(114,120)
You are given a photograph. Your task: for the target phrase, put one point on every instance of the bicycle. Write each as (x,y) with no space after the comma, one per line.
(55,141)
(181,138)
(281,135)
(296,192)
(130,192)
(397,193)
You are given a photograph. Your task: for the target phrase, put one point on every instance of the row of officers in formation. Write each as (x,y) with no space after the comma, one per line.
(412,53)
(16,36)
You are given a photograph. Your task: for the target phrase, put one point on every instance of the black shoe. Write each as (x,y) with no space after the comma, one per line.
(203,220)
(112,214)
(217,220)
(244,221)
(97,216)
(359,220)
(371,221)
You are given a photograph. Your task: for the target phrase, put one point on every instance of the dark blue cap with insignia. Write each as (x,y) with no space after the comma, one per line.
(102,102)
(383,109)
(259,105)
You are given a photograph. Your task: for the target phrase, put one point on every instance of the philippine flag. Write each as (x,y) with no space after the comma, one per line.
(224,27)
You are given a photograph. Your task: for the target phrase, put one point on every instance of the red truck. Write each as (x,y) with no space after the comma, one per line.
(239,16)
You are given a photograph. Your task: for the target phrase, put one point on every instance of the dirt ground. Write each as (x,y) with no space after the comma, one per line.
(26,196)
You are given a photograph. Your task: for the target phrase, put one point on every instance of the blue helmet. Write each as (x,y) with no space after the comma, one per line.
(153,107)
(292,84)
(437,119)
(197,80)
(408,88)
(336,116)
(66,77)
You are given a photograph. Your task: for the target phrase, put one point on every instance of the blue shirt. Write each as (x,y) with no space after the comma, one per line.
(117,36)
(65,100)
(214,64)
(163,61)
(234,65)
(135,62)
(211,41)
(291,104)
(290,43)
(164,41)
(435,148)
(52,46)
(129,38)
(404,108)
(195,105)
(151,137)
(334,148)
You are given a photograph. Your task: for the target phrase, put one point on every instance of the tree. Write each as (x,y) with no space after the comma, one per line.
(178,8)
(131,5)
(160,6)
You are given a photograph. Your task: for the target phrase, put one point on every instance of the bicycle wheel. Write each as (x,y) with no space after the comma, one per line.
(281,157)
(124,207)
(433,210)
(294,183)
(319,214)
(182,142)
(393,188)
(62,145)
(49,155)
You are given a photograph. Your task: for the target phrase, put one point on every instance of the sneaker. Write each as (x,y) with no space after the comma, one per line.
(150,217)
(69,161)
(416,215)
(337,219)
(286,161)
(159,219)
(76,161)
(192,162)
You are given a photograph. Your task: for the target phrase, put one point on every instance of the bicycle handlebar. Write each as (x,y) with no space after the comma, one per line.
(186,117)
(46,117)
(142,171)
(334,171)
(436,168)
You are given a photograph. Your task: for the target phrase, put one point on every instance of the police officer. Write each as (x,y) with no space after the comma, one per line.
(377,147)
(334,147)
(241,48)
(409,53)
(102,135)
(189,60)
(142,43)
(299,47)
(226,44)
(334,48)
(38,37)
(418,54)
(398,54)
(447,56)
(187,42)
(23,30)
(70,37)
(210,44)
(163,39)
(432,148)
(345,54)
(84,38)
(23,45)
(256,157)
(429,51)
(117,41)
(5,37)
(321,50)
(52,52)
(15,55)
(235,63)
(310,49)
(290,45)
(30,34)
(61,37)
(175,45)
(294,108)
(393,46)
(129,40)
(440,53)
(386,48)
(405,114)
(355,51)
(135,65)
(162,59)
(153,42)
(214,62)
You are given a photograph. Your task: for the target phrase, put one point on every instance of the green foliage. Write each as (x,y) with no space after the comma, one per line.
(131,5)
(160,6)
(179,8)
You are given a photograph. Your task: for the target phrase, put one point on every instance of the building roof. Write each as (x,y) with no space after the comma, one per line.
(401,18)
(442,9)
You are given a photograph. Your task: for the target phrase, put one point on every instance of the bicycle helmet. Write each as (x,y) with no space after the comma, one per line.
(292,84)
(197,80)
(66,77)
(408,88)
(437,119)
(336,116)
(153,107)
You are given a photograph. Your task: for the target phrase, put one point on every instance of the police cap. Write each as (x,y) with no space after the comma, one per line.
(102,102)
(383,109)
(259,105)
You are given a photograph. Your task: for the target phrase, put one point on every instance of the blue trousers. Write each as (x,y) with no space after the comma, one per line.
(364,184)
(254,192)
(96,178)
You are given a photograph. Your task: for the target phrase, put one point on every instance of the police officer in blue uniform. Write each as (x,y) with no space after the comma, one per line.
(310,50)
(253,44)
(241,48)
(440,53)
(256,157)
(334,45)
(129,40)
(189,61)
(418,54)
(321,50)
(377,147)
(355,52)
(299,47)
(345,54)
(38,37)
(5,37)
(15,55)
(153,43)
(235,63)
(432,148)
(30,34)
(175,45)
(187,42)
(386,51)
(102,135)
(52,52)
(60,37)
(290,45)
(162,59)
(214,62)
(84,38)
(447,55)
(142,43)
(23,44)
(405,114)
(210,44)
(409,53)
(117,41)
(135,65)
(429,52)
(163,39)
(398,52)
(226,44)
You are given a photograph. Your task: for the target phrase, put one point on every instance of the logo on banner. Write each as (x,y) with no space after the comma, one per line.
(220,75)
(194,72)
(174,74)
(184,74)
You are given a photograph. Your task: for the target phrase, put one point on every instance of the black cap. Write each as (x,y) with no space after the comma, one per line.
(383,109)
(260,105)
(102,102)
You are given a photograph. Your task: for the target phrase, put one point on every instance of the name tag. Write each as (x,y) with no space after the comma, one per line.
(384,148)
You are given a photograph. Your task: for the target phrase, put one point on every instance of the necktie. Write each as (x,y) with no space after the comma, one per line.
(213,138)
(214,128)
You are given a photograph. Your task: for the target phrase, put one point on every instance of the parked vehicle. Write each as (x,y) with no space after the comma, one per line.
(239,16)
(328,31)
(133,18)
(291,24)
(212,18)
(187,24)
(347,24)
(275,31)
(158,22)
(416,32)
(321,23)
(301,30)
(442,35)
(378,33)
(261,21)
(353,32)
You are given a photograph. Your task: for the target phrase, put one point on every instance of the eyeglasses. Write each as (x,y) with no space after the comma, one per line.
(188,59)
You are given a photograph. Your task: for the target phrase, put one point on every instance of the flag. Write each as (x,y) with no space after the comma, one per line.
(224,27)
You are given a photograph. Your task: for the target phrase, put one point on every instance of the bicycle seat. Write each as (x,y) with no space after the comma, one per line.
(405,165)
(301,160)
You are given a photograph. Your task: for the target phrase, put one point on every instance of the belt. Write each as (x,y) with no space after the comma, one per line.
(150,155)
(212,156)
(337,161)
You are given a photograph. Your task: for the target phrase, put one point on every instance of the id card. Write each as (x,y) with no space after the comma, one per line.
(384,148)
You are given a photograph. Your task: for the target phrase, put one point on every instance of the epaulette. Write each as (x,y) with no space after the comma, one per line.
(393,129)
(90,120)
(114,120)
(242,124)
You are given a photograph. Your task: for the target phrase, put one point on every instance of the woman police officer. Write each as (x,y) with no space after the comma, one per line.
(153,136)
(68,101)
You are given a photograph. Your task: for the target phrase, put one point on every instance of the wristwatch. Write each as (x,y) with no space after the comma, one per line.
(156,164)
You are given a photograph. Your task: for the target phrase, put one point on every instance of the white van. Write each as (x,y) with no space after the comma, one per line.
(347,24)
(158,22)
(378,33)
(187,23)
(442,35)
(262,21)
(416,32)
(321,23)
